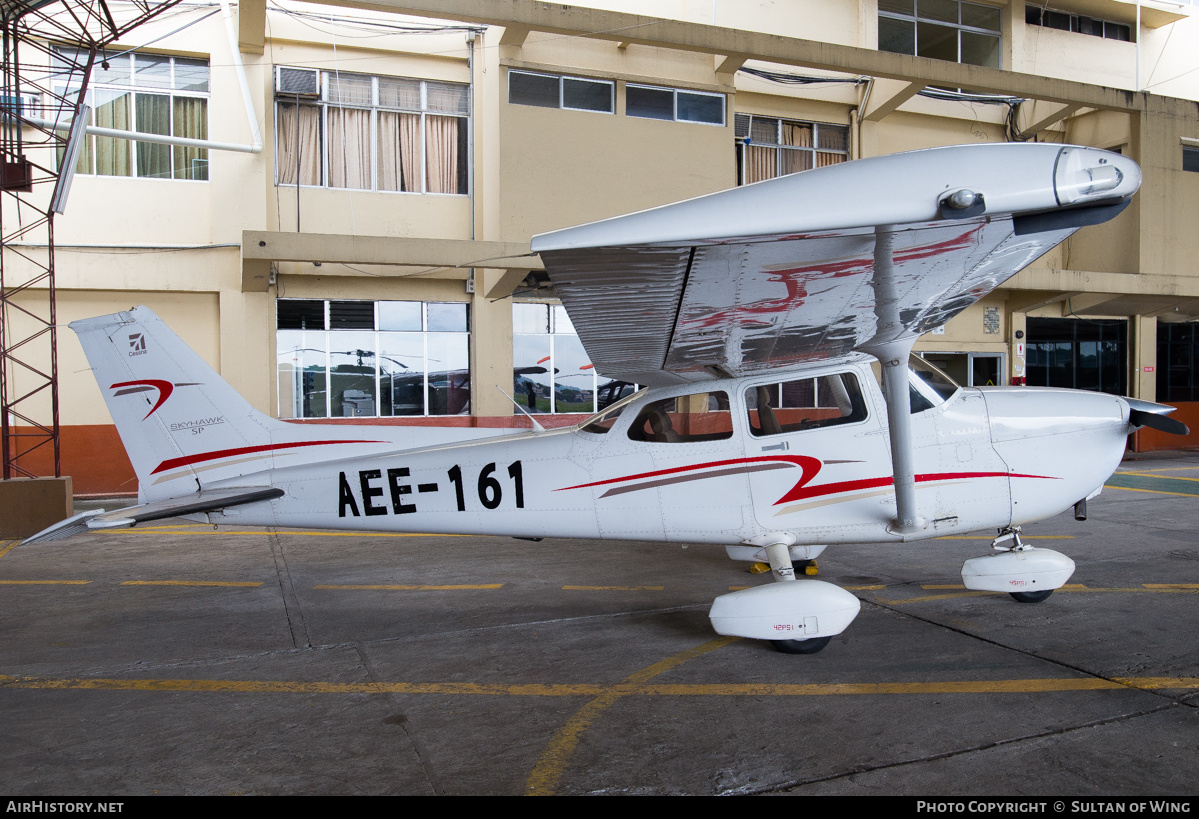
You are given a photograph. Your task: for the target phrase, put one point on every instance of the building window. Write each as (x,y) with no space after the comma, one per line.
(1065,21)
(1177,362)
(147,93)
(375,133)
(768,147)
(350,359)
(1190,159)
(1079,354)
(551,372)
(551,91)
(942,29)
(650,102)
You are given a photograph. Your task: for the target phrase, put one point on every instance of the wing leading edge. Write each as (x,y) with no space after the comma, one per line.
(815,265)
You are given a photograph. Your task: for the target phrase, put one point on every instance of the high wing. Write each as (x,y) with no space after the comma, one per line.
(856,256)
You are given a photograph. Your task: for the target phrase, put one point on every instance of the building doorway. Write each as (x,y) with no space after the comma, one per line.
(1081,354)
(969,369)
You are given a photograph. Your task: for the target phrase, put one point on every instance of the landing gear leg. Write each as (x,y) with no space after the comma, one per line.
(1009,541)
(784,572)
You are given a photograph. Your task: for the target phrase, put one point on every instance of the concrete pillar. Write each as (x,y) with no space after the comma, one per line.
(490,352)
(1017,346)
(1143,383)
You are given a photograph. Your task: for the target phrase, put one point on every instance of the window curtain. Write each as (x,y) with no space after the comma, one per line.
(349,148)
(113,157)
(760,163)
(823,160)
(191,121)
(441,171)
(399,152)
(799,136)
(153,117)
(299,144)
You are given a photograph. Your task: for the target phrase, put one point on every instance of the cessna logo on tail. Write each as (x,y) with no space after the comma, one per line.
(165,388)
(137,344)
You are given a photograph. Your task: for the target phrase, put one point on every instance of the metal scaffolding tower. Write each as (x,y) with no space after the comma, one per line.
(49,48)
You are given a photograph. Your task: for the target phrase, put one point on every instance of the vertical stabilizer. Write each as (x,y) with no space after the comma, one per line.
(180,422)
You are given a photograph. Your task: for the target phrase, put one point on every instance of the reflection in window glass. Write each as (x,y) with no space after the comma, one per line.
(402,370)
(407,367)
(302,390)
(551,371)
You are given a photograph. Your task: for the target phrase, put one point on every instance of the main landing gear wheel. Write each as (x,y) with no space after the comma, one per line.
(800,646)
(1031,597)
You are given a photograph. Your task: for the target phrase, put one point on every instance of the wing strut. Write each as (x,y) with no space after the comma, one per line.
(891,347)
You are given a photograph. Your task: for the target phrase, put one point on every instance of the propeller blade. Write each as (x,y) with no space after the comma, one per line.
(1164,423)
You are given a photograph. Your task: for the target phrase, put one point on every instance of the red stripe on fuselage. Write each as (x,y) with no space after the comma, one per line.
(809,465)
(801,492)
(187,460)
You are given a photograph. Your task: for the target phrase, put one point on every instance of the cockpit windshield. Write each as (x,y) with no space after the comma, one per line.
(603,420)
(929,386)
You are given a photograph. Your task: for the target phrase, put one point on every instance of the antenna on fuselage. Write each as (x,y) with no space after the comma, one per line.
(536,426)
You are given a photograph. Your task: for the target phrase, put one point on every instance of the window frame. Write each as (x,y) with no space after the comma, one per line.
(959,28)
(133,89)
(375,107)
(860,405)
(561,79)
(779,149)
(724,102)
(329,334)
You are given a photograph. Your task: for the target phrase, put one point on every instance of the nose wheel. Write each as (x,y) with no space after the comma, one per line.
(1031,597)
(800,646)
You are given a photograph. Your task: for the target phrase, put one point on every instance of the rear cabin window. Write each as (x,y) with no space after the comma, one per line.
(703,416)
(806,403)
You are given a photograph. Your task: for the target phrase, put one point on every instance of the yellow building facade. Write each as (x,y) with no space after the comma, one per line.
(368,261)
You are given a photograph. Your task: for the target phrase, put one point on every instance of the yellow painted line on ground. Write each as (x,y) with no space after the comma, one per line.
(613,588)
(189,583)
(205,529)
(1148,588)
(864,588)
(382,587)
(1149,475)
(635,685)
(543,781)
(1151,491)
(7,546)
(1164,469)
(1171,585)
(44,582)
(1067,587)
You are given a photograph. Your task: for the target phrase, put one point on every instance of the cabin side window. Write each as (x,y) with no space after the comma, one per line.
(703,416)
(805,403)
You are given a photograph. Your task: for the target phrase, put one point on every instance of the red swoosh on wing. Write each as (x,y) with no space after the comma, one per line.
(243,450)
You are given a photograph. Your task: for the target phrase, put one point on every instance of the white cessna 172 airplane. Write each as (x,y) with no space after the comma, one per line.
(772,325)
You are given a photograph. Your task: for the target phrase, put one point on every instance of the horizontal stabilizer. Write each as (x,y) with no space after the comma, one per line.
(73,525)
(208,500)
